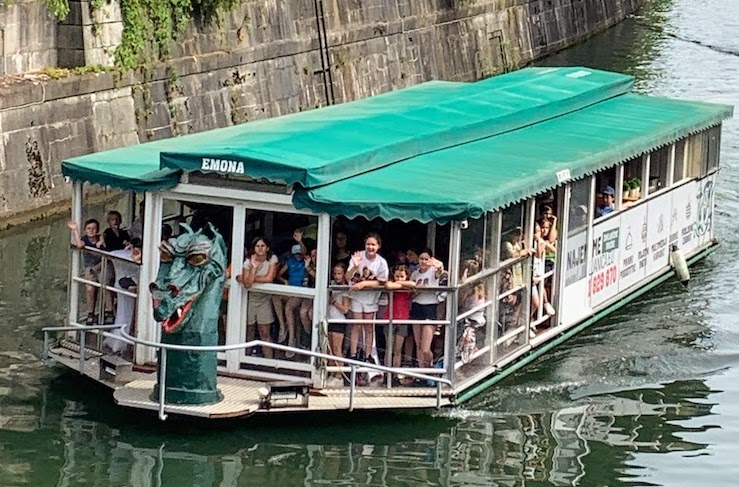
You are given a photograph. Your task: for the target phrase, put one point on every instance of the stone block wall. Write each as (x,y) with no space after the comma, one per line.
(27,36)
(286,60)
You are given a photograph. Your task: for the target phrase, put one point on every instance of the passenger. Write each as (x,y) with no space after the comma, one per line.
(540,248)
(551,251)
(259,267)
(340,250)
(608,203)
(338,307)
(127,278)
(295,269)
(166,232)
(412,258)
(513,249)
(548,214)
(510,311)
(368,269)
(91,264)
(137,226)
(114,237)
(400,285)
(279,301)
(472,296)
(424,305)
(306,304)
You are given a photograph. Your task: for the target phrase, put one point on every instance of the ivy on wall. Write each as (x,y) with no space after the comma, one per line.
(150,26)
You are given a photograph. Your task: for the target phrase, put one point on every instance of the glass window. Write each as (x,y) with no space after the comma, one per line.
(679,172)
(579,201)
(605,196)
(696,156)
(631,188)
(492,240)
(511,322)
(659,162)
(513,225)
(473,242)
(713,140)
(473,315)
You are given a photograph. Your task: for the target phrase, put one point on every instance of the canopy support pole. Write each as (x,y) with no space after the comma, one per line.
(74,267)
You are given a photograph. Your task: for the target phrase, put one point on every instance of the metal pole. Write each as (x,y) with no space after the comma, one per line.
(162,381)
(438,394)
(389,339)
(82,351)
(353,379)
(46,346)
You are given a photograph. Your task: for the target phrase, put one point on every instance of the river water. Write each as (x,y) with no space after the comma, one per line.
(649,396)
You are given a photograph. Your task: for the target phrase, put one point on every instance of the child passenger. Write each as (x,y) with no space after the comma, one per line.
(401,310)
(338,307)
(91,263)
(367,269)
(296,272)
(425,304)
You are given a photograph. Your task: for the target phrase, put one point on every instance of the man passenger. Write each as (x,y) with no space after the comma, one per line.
(608,202)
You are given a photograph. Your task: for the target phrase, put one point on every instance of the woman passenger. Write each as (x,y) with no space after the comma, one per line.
(259,267)
(540,248)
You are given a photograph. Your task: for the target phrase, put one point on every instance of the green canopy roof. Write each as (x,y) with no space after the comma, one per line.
(437,151)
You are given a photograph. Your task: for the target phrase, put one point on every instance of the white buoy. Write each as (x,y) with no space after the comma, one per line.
(680,265)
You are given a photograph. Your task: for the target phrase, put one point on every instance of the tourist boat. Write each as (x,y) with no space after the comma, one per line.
(480,173)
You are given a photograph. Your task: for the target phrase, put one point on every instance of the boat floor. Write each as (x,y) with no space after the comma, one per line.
(241,396)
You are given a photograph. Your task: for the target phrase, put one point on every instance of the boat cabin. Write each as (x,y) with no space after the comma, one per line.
(522,208)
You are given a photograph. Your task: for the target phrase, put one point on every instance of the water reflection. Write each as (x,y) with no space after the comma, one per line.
(85,443)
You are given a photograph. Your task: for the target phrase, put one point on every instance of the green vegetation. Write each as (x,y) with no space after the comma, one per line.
(58,73)
(150,26)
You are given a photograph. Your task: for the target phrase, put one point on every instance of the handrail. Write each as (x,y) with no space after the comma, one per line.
(103,253)
(164,347)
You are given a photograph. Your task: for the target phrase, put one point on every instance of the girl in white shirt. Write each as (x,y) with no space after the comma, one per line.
(425,305)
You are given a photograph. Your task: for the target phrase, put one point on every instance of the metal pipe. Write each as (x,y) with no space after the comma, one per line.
(438,396)
(352,386)
(162,381)
(82,351)
(46,346)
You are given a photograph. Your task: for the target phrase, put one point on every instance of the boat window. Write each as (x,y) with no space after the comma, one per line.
(659,162)
(511,330)
(713,141)
(579,201)
(696,156)
(513,241)
(605,196)
(474,319)
(492,240)
(679,171)
(473,242)
(631,188)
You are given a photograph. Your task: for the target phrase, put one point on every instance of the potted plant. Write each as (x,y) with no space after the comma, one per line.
(626,188)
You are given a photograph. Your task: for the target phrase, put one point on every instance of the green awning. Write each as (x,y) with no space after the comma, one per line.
(436,151)
(467,180)
(319,147)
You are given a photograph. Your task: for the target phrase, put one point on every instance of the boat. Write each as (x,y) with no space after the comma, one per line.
(550,197)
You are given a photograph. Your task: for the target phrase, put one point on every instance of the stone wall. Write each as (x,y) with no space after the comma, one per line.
(27,36)
(287,60)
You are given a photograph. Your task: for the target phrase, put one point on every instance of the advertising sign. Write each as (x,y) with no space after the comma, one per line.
(633,248)
(683,217)
(703,226)
(574,303)
(658,232)
(604,263)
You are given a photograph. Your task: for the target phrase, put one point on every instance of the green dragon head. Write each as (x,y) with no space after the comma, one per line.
(190,281)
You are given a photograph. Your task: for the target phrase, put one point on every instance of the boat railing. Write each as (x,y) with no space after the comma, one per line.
(105,278)
(442,291)
(163,348)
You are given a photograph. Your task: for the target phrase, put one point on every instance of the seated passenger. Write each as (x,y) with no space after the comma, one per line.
(607,206)
(259,267)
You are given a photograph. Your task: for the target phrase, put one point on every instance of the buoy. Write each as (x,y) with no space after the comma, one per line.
(680,265)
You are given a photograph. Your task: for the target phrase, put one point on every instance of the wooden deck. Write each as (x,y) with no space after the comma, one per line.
(241,396)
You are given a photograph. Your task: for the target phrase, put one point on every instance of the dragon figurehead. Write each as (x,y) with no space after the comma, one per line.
(186,299)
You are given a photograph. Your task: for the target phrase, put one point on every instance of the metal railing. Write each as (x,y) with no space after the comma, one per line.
(164,347)
(83,330)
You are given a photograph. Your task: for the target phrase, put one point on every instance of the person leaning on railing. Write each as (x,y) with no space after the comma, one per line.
(92,264)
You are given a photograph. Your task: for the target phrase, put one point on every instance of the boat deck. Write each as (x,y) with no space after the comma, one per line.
(241,396)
